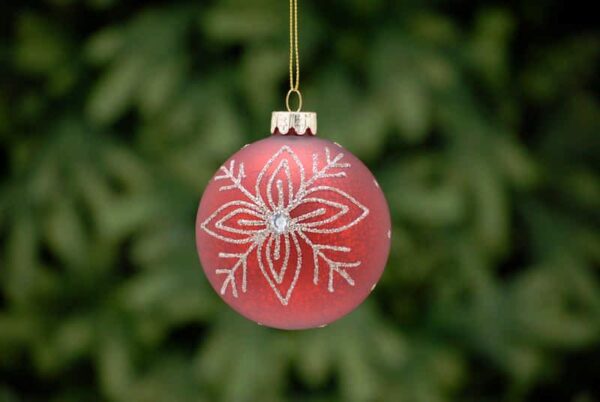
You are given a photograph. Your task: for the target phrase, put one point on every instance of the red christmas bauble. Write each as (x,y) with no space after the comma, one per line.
(293,231)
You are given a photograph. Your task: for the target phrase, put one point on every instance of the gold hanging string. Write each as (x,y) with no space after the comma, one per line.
(294,58)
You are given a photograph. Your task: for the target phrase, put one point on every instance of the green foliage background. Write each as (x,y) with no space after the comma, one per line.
(480,118)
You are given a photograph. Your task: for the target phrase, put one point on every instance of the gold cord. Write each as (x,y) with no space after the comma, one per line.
(294,58)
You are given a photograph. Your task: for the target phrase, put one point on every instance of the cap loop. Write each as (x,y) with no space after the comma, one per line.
(287,100)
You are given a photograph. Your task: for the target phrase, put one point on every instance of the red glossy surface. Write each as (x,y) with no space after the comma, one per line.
(350,223)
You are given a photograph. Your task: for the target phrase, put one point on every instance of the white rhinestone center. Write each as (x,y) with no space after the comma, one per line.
(280,222)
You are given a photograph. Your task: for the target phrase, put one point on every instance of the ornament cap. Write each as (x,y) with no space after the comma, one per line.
(294,123)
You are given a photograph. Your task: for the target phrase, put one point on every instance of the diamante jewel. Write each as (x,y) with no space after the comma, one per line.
(280,222)
(267,221)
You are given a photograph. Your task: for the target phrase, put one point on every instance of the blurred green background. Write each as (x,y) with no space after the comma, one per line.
(480,119)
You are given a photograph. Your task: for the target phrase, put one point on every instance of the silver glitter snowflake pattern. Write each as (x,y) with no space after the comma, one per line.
(274,218)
